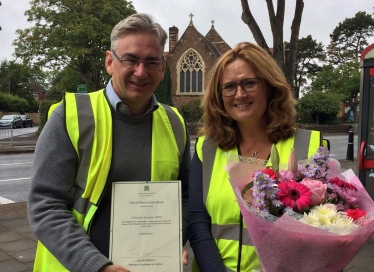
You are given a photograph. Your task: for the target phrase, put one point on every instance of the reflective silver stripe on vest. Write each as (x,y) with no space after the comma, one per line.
(301,143)
(209,153)
(230,232)
(178,130)
(86,126)
(81,205)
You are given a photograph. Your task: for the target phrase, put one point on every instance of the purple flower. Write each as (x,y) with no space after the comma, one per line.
(277,203)
(263,189)
(323,152)
(258,201)
(263,213)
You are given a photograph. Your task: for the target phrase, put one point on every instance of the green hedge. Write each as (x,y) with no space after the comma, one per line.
(192,111)
(13,103)
(51,97)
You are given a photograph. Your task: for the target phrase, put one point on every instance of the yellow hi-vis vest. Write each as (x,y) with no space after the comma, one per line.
(94,150)
(221,204)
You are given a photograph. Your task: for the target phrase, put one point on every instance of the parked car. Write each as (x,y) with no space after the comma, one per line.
(26,121)
(12,120)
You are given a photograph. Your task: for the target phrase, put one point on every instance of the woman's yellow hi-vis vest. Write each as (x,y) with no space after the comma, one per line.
(221,204)
(168,133)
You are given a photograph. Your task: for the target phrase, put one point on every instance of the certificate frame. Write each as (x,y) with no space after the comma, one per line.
(146,225)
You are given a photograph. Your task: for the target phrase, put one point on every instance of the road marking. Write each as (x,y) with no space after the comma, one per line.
(5,201)
(16,163)
(13,179)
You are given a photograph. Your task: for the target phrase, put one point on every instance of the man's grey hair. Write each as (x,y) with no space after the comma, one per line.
(138,23)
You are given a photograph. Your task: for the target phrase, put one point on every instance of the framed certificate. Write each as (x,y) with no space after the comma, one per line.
(146,226)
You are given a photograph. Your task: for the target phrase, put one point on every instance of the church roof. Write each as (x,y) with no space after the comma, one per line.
(212,48)
(217,40)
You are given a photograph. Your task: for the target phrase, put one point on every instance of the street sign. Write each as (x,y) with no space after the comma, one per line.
(81,88)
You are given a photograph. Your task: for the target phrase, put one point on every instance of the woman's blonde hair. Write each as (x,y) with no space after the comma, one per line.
(280,113)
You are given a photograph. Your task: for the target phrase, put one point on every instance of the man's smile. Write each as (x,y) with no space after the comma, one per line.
(140,84)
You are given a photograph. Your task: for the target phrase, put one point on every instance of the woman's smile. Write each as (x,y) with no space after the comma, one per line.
(243,105)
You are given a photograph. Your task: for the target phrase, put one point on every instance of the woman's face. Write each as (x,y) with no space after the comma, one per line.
(244,107)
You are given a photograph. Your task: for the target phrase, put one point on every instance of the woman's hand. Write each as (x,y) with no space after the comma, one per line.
(185,257)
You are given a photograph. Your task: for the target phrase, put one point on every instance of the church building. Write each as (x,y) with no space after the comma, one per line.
(190,59)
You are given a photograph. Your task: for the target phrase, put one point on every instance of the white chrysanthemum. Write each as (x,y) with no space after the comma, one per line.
(327,209)
(311,220)
(326,217)
(324,220)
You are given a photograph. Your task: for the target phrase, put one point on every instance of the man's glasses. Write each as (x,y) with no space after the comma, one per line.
(248,84)
(130,62)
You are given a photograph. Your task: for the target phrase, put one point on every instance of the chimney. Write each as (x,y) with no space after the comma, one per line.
(173,38)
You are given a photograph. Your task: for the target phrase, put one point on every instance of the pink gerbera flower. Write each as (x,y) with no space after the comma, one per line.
(294,194)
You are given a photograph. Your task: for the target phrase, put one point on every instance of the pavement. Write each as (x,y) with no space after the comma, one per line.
(18,243)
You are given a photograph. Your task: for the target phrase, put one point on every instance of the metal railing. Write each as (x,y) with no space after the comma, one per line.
(6,136)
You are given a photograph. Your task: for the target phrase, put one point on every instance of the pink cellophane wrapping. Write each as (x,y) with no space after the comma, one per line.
(289,245)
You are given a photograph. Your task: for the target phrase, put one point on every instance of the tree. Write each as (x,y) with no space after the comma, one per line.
(22,81)
(343,80)
(12,75)
(323,107)
(163,91)
(72,33)
(349,38)
(276,22)
(66,80)
(308,53)
(341,75)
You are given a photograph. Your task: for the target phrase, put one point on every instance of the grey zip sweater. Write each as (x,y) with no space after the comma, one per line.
(53,174)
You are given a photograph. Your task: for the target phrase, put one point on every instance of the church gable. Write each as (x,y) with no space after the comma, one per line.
(217,40)
(190,58)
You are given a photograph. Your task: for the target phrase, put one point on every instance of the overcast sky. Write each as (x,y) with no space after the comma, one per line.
(319,19)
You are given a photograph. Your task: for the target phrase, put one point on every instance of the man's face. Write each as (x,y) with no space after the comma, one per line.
(135,84)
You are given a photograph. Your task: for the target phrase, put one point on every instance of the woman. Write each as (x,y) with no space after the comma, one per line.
(248,106)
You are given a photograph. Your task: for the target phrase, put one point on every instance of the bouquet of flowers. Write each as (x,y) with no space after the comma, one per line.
(306,216)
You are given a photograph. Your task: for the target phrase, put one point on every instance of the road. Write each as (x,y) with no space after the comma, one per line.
(15,172)
(15,169)
(5,133)
(339,146)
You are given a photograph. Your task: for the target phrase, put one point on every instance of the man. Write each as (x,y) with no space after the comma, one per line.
(90,141)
